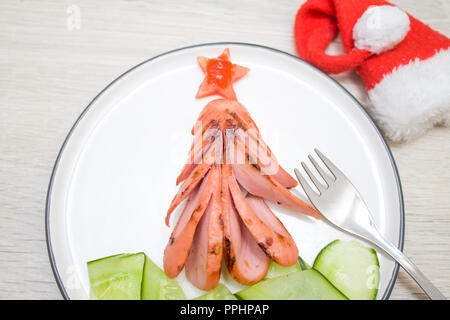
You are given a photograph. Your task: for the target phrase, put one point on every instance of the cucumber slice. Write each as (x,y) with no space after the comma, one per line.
(351,267)
(276,270)
(116,277)
(304,285)
(221,292)
(157,286)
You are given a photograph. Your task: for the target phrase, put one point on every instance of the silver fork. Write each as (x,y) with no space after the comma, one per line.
(341,204)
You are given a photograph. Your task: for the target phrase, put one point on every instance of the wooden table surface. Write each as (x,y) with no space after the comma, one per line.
(52,64)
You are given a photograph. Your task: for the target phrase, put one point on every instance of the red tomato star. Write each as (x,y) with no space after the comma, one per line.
(220,74)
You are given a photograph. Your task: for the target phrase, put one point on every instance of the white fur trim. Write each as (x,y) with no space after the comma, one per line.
(413,98)
(380,28)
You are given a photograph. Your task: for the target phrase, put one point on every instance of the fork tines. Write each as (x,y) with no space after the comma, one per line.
(336,173)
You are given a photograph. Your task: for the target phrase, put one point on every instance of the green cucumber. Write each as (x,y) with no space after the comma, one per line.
(221,292)
(116,277)
(351,267)
(304,285)
(157,286)
(276,270)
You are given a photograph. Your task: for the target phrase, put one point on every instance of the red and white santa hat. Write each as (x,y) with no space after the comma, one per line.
(404,64)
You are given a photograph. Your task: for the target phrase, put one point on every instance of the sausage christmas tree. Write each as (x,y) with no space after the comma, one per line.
(228,157)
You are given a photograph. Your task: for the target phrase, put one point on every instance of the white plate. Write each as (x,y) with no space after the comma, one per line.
(115,175)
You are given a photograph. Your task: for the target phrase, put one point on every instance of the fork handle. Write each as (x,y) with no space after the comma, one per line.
(426,285)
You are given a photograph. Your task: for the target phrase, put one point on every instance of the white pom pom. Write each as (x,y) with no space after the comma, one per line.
(380,28)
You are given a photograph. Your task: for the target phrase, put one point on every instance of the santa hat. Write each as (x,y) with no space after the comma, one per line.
(404,64)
